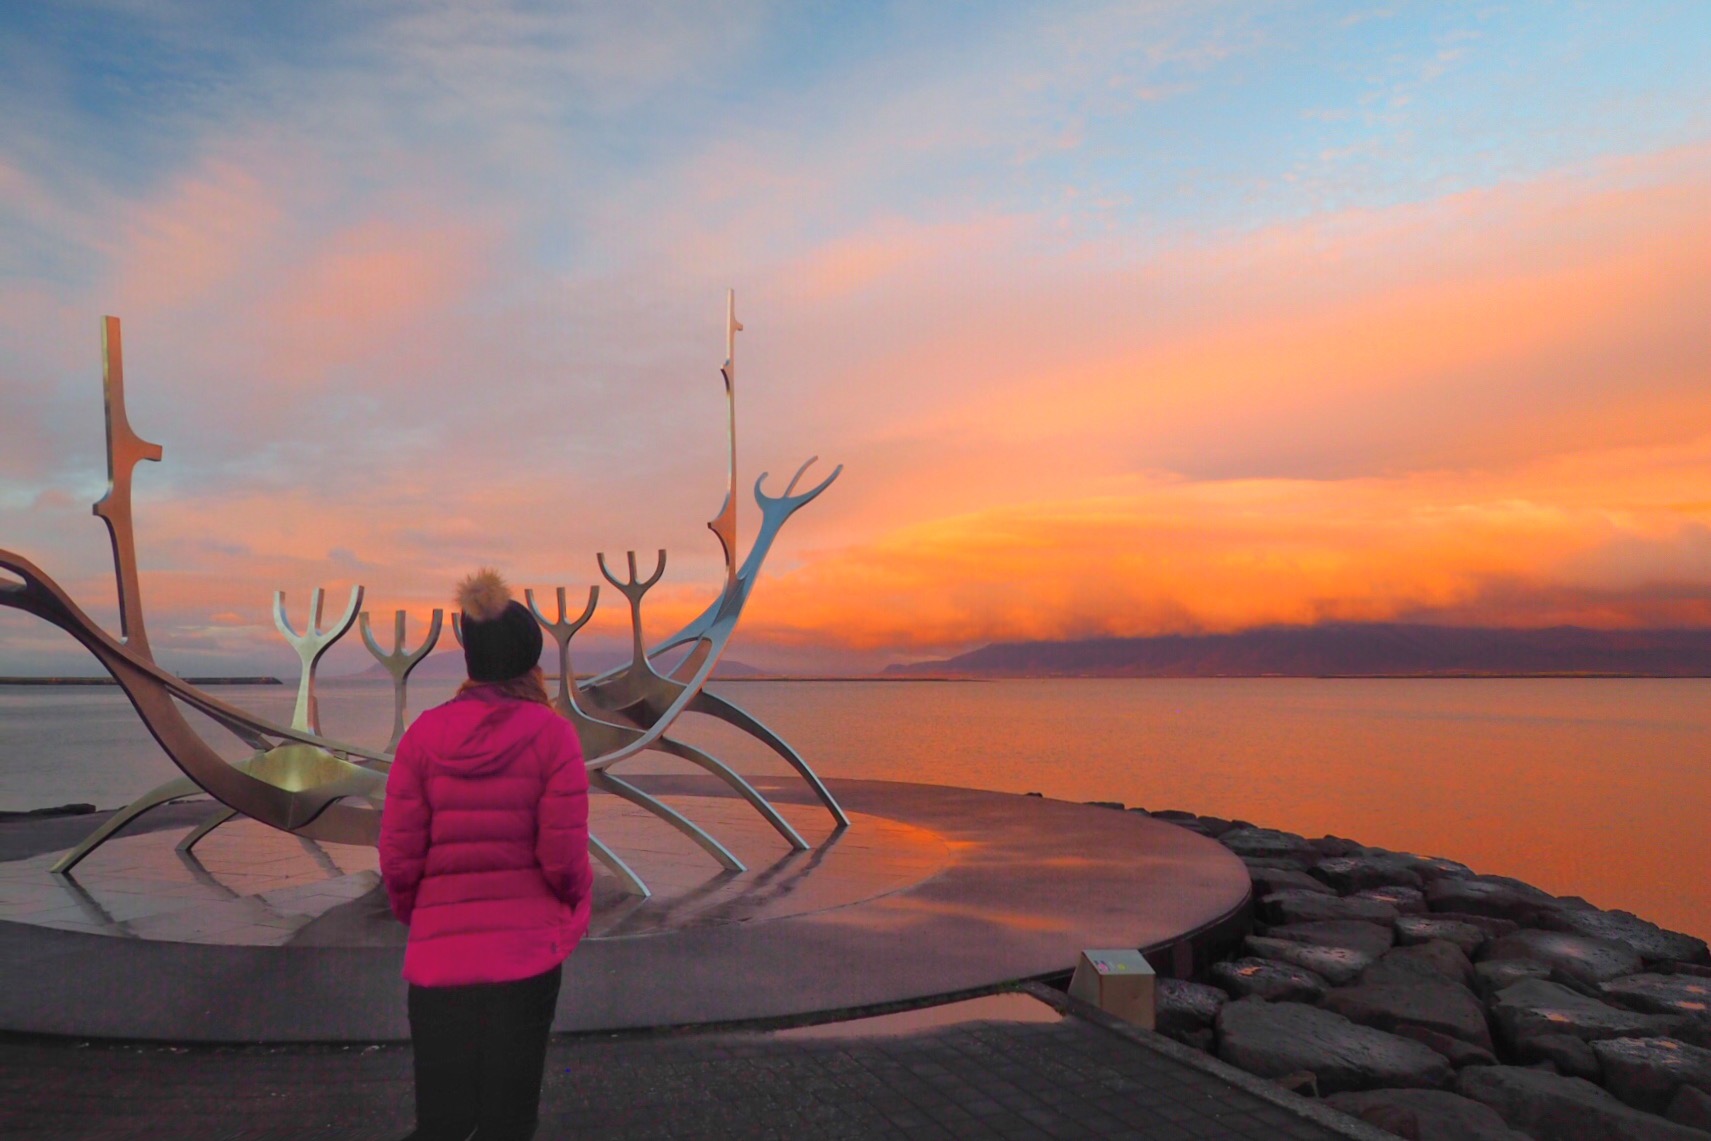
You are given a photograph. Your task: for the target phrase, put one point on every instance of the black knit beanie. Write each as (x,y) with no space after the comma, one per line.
(501,639)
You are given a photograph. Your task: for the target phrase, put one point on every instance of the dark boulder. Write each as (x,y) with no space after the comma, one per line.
(1406,900)
(1436,960)
(1308,907)
(1546,1105)
(1182,1007)
(1495,896)
(1567,1053)
(1489,978)
(1652,943)
(1268,979)
(1646,1072)
(1454,1050)
(1466,937)
(1356,873)
(1437,868)
(1428,1003)
(1493,927)
(1273,1039)
(1269,844)
(1371,939)
(1335,846)
(1534,1006)
(1215,825)
(1690,1107)
(1577,957)
(1425,1115)
(1338,966)
(1685,995)
(1268,881)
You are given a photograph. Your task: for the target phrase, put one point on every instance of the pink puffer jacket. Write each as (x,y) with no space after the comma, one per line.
(484,841)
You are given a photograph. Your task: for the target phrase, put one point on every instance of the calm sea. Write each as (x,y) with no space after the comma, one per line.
(1596,787)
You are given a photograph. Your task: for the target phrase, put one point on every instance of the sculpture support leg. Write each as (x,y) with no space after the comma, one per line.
(744,789)
(621,788)
(626,875)
(715,706)
(202,829)
(172,790)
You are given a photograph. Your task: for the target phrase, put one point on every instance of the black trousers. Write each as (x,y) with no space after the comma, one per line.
(479,1053)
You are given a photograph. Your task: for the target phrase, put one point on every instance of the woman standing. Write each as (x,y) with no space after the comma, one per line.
(484,850)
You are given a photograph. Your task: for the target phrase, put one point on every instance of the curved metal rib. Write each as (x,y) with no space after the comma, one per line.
(604,780)
(731,777)
(176,789)
(626,874)
(200,832)
(713,705)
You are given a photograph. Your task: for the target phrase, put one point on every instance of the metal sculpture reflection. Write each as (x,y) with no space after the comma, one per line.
(298,780)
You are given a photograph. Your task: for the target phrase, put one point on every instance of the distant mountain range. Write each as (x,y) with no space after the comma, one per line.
(1346,650)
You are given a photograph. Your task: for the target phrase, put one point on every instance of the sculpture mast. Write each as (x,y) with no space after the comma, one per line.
(125,449)
(724,524)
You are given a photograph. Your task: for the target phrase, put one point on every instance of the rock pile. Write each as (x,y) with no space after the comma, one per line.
(1435,1002)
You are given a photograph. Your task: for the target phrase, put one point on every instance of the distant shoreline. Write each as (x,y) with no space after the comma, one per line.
(110,681)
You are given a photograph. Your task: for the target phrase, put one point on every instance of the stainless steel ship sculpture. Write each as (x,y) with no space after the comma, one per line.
(300,781)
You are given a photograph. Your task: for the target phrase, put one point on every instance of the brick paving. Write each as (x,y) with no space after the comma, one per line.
(1081,1077)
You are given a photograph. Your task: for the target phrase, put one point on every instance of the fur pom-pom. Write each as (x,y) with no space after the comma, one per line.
(483,596)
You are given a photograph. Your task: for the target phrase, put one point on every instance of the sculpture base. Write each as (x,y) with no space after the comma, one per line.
(934,891)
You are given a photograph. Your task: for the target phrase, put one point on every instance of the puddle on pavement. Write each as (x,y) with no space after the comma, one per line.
(1012,1007)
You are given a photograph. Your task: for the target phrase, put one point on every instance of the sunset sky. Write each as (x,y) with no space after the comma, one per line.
(1122,319)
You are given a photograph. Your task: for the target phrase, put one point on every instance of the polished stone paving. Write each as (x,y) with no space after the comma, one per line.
(1004,1067)
(249,885)
(935,892)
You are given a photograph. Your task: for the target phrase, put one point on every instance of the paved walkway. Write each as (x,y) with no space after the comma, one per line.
(1082,1076)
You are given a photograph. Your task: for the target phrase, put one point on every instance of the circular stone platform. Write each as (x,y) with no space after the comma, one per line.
(933,891)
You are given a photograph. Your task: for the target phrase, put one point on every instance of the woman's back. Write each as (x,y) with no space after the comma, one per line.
(485,840)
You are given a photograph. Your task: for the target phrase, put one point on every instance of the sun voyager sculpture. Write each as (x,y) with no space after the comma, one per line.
(300,781)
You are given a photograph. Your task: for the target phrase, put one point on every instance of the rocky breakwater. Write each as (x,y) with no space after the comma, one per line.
(1438,1003)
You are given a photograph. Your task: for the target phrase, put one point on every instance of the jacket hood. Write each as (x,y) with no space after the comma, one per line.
(480,732)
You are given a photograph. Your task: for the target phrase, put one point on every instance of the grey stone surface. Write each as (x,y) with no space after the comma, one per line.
(972,923)
(1534,1006)
(1354,873)
(1328,846)
(1578,957)
(1268,979)
(1646,1072)
(1555,1108)
(1568,1054)
(1270,844)
(1434,960)
(1651,942)
(1182,1007)
(1406,900)
(1069,1079)
(1338,966)
(1466,937)
(1371,939)
(1309,907)
(1273,1039)
(1491,896)
(1426,1115)
(1429,1003)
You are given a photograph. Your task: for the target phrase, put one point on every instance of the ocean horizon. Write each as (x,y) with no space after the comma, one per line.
(1591,787)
